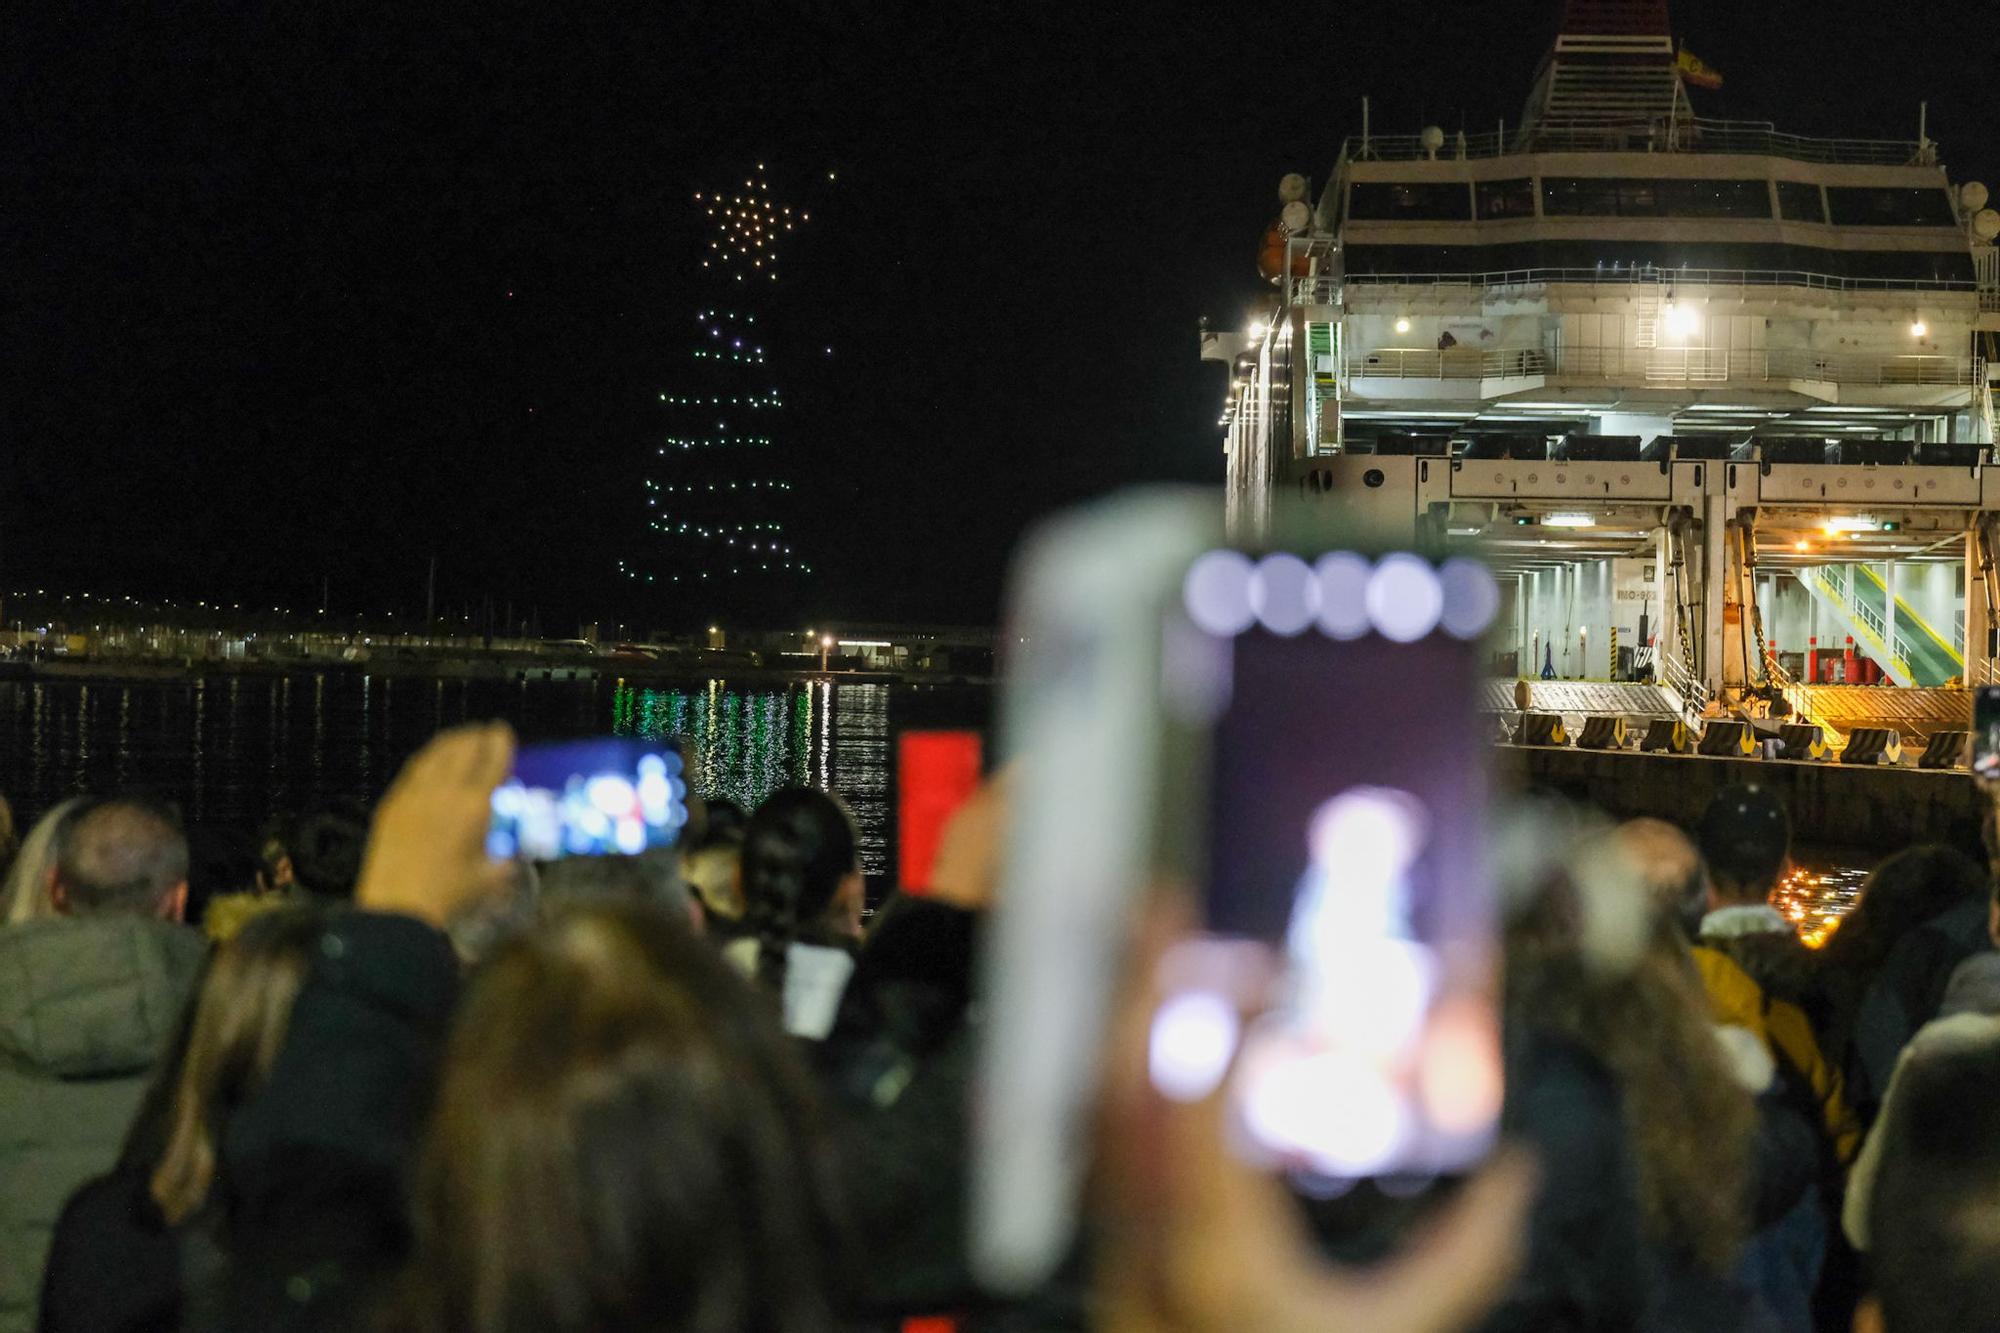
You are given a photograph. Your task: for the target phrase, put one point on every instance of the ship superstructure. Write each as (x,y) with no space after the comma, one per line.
(1715,399)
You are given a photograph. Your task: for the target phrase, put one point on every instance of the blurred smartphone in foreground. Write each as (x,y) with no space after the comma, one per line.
(1986,734)
(1290,732)
(936,771)
(602,797)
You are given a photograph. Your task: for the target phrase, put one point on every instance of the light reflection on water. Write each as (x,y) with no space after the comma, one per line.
(744,745)
(232,751)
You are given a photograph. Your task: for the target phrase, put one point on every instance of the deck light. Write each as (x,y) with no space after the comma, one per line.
(1569,521)
(1403,325)
(1918,328)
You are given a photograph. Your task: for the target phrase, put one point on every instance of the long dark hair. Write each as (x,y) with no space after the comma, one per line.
(797,849)
(623,1139)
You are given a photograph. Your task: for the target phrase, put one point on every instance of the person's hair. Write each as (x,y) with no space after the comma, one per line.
(274,846)
(797,849)
(326,847)
(1937,1193)
(580,881)
(10,836)
(622,1139)
(1905,891)
(25,895)
(125,854)
(1745,836)
(241,1013)
(1690,1122)
(1669,867)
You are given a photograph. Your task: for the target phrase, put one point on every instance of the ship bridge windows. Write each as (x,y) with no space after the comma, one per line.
(1871,206)
(1800,201)
(1410,201)
(1506,199)
(1636,197)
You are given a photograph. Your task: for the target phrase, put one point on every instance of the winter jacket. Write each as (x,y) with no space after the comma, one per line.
(1735,998)
(1908,992)
(899,1064)
(1962,1030)
(87,1005)
(313,1168)
(112,1225)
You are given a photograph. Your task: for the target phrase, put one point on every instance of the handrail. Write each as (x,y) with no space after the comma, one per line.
(1881,640)
(1677,365)
(1543,275)
(1698,134)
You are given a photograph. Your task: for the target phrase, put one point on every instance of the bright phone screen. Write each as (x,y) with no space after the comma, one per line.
(1986,733)
(1346,805)
(936,771)
(609,796)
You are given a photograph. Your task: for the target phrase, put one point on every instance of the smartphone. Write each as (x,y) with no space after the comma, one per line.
(613,795)
(1290,728)
(1986,733)
(936,771)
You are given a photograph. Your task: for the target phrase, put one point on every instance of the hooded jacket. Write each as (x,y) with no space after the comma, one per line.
(87,1005)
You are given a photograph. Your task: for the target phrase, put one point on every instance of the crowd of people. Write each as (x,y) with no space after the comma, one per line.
(354,1074)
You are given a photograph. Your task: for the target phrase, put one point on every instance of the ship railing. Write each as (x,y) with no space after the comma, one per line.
(1663,365)
(1688,135)
(1610,275)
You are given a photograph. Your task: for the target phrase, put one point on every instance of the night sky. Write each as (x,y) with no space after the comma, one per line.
(319,292)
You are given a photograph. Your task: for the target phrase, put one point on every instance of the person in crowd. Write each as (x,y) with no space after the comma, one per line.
(1745,836)
(1752,963)
(164,1194)
(651,878)
(1691,1124)
(898,1068)
(222,870)
(1670,870)
(802,893)
(28,892)
(713,864)
(274,855)
(1937,1192)
(1933,889)
(1941,901)
(10,837)
(616,1049)
(89,1000)
(325,849)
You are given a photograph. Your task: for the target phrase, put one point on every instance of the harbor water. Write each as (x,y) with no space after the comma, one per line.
(231,751)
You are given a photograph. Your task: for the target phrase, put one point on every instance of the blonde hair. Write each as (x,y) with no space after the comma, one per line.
(25,896)
(242,1013)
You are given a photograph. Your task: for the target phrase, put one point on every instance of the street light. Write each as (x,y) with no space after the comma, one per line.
(825,648)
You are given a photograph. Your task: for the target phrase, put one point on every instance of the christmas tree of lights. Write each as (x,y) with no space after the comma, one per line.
(720,496)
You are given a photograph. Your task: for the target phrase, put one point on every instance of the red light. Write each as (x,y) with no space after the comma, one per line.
(935,772)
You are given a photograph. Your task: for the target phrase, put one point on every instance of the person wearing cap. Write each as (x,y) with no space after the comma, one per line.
(1745,838)
(1753,965)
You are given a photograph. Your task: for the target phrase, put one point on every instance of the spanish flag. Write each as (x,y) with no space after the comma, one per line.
(1695,72)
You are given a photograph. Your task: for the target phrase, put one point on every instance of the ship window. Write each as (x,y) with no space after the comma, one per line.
(1506,199)
(1410,201)
(1855,206)
(1638,198)
(1799,201)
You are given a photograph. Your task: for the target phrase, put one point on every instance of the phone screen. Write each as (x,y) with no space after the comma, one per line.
(1986,733)
(609,796)
(935,772)
(1346,803)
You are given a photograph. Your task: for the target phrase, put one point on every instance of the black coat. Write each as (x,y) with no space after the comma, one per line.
(114,1264)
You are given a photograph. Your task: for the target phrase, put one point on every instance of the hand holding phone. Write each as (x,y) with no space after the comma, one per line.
(426,853)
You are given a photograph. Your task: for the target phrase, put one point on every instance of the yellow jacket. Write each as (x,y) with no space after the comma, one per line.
(1736,999)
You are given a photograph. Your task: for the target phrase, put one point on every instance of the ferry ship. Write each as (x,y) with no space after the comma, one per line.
(1716,401)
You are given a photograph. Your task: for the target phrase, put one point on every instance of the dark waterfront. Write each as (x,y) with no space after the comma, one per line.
(232,751)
